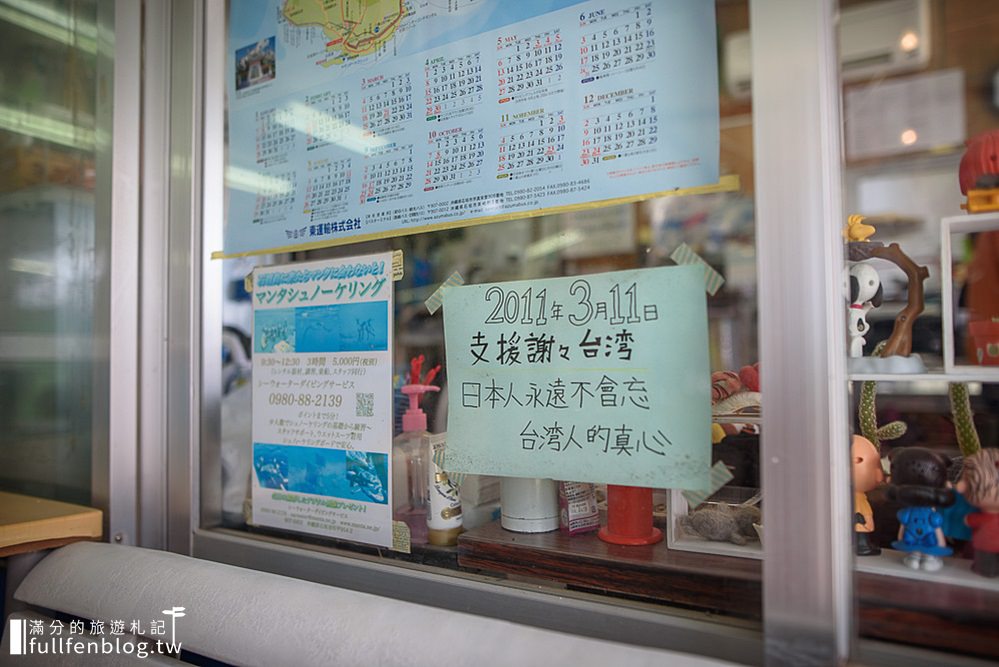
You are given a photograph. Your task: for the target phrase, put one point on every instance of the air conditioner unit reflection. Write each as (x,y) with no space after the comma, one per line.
(876,39)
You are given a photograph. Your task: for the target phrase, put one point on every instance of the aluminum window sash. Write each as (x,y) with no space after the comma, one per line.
(804,462)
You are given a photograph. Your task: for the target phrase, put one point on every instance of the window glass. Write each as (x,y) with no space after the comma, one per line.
(920,118)
(50,279)
(713,540)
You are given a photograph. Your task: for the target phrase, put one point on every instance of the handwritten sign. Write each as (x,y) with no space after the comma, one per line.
(322,398)
(600,378)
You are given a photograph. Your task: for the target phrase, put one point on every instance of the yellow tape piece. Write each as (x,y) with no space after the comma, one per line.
(401,537)
(720,476)
(397,265)
(727,183)
(436,300)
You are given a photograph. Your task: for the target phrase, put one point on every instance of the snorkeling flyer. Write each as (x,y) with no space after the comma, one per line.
(322,398)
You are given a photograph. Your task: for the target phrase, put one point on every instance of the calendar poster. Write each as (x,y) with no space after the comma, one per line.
(322,398)
(351,120)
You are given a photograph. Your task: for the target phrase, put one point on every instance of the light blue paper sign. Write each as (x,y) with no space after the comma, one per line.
(601,378)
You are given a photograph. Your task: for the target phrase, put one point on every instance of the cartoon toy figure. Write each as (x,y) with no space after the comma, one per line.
(979,172)
(919,481)
(857,230)
(736,393)
(867,475)
(865,293)
(979,483)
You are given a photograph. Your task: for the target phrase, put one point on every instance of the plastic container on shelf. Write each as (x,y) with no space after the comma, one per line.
(411,463)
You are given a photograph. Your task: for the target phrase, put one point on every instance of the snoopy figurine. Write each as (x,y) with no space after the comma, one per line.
(865,293)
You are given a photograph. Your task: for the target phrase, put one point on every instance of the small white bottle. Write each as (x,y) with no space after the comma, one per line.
(444,519)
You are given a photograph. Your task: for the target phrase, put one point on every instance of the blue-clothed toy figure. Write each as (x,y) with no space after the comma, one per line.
(919,482)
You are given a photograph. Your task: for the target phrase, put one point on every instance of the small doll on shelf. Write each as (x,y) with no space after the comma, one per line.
(919,483)
(867,475)
(866,292)
(979,483)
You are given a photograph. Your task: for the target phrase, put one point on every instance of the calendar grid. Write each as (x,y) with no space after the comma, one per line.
(274,205)
(533,142)
(454,86)
(616,42)
(276,139)
(455,158)
(328,188)
(386,104)
(529,68)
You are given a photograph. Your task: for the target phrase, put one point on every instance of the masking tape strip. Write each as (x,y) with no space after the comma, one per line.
(401,537)
(397,265)
(720,476)
(712,279)
(437,442)
(438,446)
(727,183)
(437,298)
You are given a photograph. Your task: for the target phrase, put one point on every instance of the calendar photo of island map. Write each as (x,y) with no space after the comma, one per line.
(385,117)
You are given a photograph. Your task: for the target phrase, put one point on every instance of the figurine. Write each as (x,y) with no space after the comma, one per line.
(723,523)
(919,483)
(865,293)
(979,173)
(867,475)
(736,393)
(979,483)
(856,230)
(956,531)
(896,355)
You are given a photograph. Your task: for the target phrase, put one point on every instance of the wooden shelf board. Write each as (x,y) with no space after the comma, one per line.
(951,610)
(932,611)
(703,581)
(25,520)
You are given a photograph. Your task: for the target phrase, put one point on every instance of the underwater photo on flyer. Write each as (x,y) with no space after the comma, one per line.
(335,473)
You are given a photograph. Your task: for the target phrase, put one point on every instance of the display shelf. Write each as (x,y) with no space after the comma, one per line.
(954,609)
(678,539)
(421,554)
(700,545)
(737,419)
(939,376)
(956,571)
(953,617)
(934,610)
(960,224)
(652,572)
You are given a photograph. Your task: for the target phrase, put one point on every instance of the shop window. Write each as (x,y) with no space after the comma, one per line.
(297,123)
